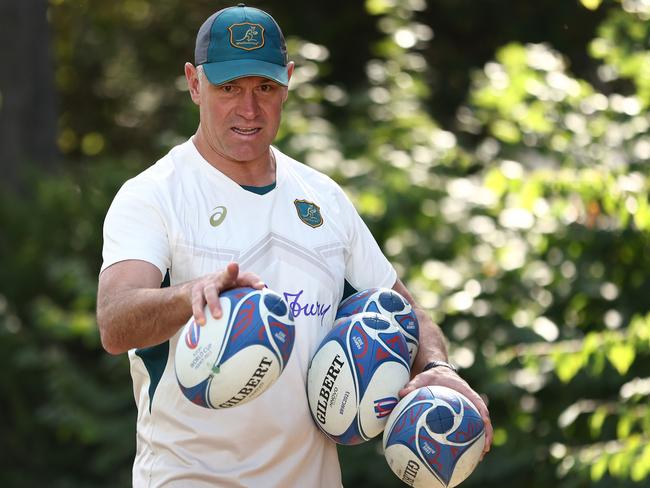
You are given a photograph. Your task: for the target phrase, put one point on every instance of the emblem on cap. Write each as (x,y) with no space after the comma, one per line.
(309,213)
(246,35)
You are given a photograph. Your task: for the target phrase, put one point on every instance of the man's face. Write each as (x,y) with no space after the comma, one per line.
(240,119)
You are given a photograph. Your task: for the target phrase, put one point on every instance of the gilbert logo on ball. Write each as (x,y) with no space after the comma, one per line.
(391,305)
(232,360)
(434,438)
(354,377)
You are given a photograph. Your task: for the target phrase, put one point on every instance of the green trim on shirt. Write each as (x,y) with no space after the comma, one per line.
(155,357)
(348,290)
(259,190)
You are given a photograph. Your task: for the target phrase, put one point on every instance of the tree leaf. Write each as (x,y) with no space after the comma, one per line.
(591,4)
(567,366)
(621,356)
(598,468)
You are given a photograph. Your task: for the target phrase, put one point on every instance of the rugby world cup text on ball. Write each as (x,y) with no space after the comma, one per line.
(326,388)
(200,355)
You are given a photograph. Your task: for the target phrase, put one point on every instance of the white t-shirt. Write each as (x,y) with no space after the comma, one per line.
(303,238)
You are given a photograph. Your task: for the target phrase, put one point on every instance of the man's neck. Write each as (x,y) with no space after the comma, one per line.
(258,172)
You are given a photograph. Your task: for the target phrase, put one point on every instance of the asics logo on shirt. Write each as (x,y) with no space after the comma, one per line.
(218,216)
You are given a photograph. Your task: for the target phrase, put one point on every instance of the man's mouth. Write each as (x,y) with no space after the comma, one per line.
(246,131)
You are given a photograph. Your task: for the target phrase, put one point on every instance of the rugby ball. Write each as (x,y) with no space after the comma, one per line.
(354,377)
(391,305)
(231,360)
(434,438)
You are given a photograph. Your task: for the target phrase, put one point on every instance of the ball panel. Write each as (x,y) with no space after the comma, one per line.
(275,304)
(380,397)
(409,469)
(467,463)
(198,347)
(282,337)
(394,341)
(278,331)
(197,394)
(243,377)
(359,342)
(440,419)
(331,389)
(235,295)
(408,323)
(351,437)
(354,304)
(244,327)
(372,341)
(389,304)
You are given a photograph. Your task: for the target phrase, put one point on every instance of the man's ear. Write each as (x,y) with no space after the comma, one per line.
(290,67)
(193,82)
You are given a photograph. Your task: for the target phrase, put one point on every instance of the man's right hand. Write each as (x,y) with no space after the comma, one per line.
(207,289)
(133,311)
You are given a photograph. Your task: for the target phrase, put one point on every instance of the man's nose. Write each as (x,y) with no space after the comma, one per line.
(248,106)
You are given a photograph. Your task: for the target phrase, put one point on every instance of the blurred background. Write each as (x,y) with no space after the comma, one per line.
(497,149)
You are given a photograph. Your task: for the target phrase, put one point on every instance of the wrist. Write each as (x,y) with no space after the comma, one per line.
(183,296)
(436,363)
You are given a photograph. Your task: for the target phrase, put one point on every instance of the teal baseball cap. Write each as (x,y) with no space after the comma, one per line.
(241,41)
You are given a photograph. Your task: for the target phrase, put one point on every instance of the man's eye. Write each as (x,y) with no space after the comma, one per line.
(266,88)
(227,88)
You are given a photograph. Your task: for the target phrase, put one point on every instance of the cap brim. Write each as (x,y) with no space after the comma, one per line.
(224,71)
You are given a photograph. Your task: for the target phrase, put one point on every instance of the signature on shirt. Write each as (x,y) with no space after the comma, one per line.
(306,309)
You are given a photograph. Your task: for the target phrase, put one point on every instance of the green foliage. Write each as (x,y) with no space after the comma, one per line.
(623,43)
(575,226)
(62,417)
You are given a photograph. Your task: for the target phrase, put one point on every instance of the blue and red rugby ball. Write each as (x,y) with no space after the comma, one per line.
(232,360)
(355,375)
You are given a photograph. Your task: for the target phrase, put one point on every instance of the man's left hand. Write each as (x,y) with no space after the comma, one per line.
(446,377)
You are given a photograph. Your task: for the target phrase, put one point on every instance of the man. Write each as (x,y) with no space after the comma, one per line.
(222,210)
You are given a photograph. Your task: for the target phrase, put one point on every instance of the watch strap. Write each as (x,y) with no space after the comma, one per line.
(437,363)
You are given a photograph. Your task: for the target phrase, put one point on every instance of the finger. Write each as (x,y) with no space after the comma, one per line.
(212,299)
(251,280)
(489,435)
(198,304)
(414,384)
(481,406)
(232,271)
(227,278)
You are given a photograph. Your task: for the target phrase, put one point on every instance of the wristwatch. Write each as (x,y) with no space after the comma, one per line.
(436,363)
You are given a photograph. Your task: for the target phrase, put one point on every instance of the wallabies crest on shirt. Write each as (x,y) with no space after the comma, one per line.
(309,213)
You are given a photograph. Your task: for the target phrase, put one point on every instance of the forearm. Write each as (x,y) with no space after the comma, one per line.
(433,347)
(432,341)
(142,317)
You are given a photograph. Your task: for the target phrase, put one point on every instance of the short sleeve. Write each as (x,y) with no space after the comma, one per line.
(134,227)
(365,265)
